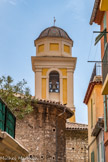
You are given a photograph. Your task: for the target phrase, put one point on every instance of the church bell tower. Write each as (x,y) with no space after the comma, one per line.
(54,67)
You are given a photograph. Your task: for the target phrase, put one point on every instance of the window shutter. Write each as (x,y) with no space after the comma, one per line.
(10,123)
(105,115)
(98,153)
(102,151)
(107,110)
(104,20)
(104,23)
(92,157)
(2,116)
(91,113)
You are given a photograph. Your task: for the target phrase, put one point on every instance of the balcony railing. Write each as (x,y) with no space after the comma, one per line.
(96,71)
(7,119)
(105,64)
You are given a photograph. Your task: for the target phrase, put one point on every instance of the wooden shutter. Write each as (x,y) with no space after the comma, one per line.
(102,152)
(91,113)
(92,157)
(104,23)
(98,153)
(105,114)
(2,116)
(10,123)
(104,20)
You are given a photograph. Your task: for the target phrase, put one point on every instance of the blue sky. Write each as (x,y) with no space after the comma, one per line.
(21,22)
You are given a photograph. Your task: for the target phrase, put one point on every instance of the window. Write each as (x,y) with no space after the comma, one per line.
(105,37)
(66,48)
(105,112)
(102,151)
(54,46)
(41,48)
(92,157)
(98,153)
(54,85)
(91,113)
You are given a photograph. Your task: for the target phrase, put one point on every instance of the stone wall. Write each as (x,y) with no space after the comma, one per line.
(43,133)
(76,145)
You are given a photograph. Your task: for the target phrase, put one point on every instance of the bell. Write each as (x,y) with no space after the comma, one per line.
(54,86)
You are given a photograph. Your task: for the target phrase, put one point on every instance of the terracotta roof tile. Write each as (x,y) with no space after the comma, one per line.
(54,31)
(76,126)
(95,8)
(64,108)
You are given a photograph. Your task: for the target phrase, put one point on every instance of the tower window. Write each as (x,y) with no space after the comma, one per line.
(41,48)
(66,48)
(54,46)
(54,85)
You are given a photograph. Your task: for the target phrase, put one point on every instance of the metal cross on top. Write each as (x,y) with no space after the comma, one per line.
(54,21)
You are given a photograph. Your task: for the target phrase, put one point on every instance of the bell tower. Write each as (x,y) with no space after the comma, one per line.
(54,67)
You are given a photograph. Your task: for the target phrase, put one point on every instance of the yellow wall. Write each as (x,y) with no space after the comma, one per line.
(64,91)
(72,119)
(41,48)
(43,88)
(66,48)
(64,72)
(54,46)
(44,72)
(104,5)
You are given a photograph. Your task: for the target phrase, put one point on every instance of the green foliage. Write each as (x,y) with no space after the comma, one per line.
(17,96)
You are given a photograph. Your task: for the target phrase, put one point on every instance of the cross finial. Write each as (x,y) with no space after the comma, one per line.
(54,21)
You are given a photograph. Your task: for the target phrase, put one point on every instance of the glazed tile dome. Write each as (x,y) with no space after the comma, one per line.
(54,32)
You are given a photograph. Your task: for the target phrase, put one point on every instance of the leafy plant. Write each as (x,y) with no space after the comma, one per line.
(17,96)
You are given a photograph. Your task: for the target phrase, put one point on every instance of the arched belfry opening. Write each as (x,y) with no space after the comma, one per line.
(54,82)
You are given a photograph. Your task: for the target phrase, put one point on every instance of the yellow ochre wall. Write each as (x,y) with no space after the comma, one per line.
(43,88)
(72,119)
(64,73)
(66,48)
(54,46)
(64,91)
(44,71)
(41,48)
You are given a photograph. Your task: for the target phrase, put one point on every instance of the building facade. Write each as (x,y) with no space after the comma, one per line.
(94,101)
(43,132)
(100,16)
